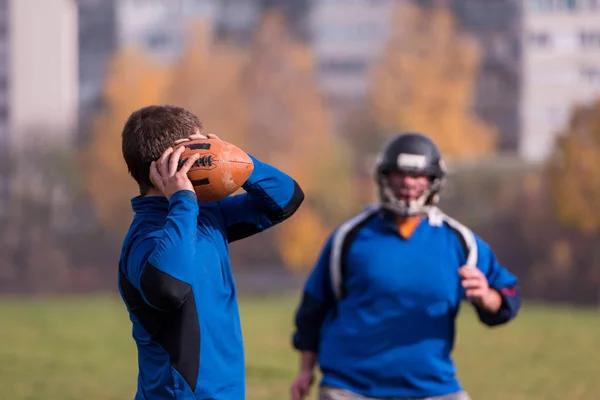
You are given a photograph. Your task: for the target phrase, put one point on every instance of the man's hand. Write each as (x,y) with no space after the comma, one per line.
(301,385)
(168,179)
(478,290)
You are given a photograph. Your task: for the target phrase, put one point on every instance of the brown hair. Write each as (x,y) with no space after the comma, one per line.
(148,132)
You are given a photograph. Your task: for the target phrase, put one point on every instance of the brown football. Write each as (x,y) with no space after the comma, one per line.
(221,169)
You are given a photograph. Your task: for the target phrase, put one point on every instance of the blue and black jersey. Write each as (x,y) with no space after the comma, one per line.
(379,308)
(176,280)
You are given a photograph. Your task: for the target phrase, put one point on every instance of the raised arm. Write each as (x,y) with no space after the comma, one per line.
(271,197)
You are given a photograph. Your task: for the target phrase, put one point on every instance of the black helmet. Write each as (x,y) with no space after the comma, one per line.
(412,153)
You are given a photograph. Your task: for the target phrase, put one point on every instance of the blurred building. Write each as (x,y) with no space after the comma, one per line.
(346,37)
(297,13)
(561,66)
(97,43)
(4,75)
(236,19)
(42,70)
(4,103)
(159,26)
(38,85)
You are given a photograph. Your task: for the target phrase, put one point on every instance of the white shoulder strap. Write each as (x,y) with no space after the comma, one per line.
(339,238)
(437,218)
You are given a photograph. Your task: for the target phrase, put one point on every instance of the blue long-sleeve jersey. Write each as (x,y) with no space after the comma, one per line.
(176,281)
(380,309)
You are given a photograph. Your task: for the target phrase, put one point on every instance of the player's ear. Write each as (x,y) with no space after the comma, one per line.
(153,171)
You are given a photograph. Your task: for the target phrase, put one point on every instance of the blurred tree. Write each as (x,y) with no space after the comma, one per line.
(133,82)
(574,184)
(36,213)
(206,81)
(574,170)
(425,81)
(292,128)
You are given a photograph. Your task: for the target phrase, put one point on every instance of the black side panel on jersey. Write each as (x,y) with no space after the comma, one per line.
(178,332)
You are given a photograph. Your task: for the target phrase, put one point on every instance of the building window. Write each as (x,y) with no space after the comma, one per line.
(159,40)
(549,5)
(3,112)
(539,39)
(355,32)
(343,66)
(590,74)
(541,5)
(568,4)
(590,39)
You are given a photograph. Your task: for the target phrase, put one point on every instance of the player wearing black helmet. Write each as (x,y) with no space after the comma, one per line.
(417,158)
(379,307)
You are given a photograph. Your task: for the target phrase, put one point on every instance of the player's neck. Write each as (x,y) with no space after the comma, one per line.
(153,192)
(407,225)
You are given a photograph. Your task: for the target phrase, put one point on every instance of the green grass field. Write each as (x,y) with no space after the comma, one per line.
(67,349)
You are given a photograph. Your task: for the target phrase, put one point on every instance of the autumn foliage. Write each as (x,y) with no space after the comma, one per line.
(207,81)
(425,81)
(574,170)
(293,129)
(134,81)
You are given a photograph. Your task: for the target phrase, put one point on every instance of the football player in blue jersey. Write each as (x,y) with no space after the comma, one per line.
(174,272)
(378,310)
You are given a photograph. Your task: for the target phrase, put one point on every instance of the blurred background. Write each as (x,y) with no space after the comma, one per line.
(509,89)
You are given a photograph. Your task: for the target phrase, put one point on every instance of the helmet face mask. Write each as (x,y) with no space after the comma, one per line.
(409,155)
(404,206)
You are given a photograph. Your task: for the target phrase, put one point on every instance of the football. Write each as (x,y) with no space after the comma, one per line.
(221,169)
